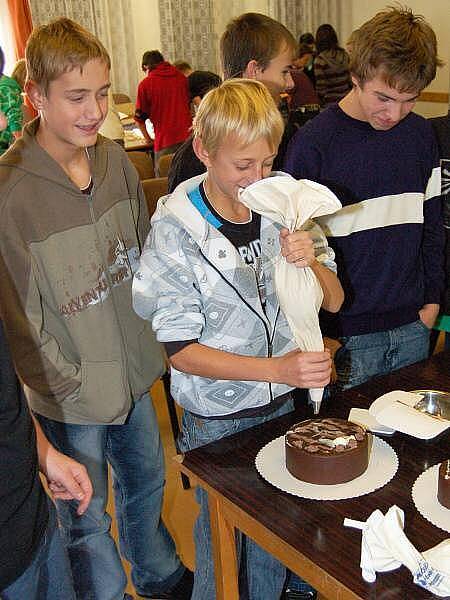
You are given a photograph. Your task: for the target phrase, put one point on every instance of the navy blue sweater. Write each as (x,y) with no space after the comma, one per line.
(388,237)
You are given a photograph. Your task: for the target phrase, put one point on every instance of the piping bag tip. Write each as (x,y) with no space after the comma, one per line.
(315,398)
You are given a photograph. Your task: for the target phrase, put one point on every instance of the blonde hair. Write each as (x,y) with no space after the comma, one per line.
(58,47)
(242,107)
(399,46)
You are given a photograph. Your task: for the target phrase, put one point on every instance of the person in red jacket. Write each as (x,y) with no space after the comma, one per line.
(163,97)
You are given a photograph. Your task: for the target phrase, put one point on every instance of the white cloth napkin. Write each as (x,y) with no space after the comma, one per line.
(395,409)
(385,547)
(292,203)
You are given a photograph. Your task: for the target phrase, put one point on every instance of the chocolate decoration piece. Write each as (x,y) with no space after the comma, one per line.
(444,484)
(326,451)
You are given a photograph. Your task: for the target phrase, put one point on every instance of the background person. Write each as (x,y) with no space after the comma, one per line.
(331,67)
(163,98)
(253,46)
(441,126)
(10,106)
(183,66)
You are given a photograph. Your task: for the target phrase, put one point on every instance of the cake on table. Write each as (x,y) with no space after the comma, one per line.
(326,451)
(444,484)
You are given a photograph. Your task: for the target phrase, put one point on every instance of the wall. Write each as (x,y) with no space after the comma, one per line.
(145,15)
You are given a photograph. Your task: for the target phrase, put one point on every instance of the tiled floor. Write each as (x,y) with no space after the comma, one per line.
(180,508)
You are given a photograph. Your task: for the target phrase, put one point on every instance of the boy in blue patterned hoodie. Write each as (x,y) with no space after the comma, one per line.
(206,283)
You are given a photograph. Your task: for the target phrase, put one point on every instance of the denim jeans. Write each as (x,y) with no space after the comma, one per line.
(362,357)
(135,454)
(265,576)
(48,577)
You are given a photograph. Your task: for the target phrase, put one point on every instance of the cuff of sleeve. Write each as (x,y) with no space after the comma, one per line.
(174,347)
(434,298)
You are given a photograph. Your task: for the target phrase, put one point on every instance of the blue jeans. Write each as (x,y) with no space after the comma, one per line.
(48,577)
(265,576)
(135,454)
(362,357)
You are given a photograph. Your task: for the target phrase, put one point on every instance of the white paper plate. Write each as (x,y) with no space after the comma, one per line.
(424,495)
(396,409)
(383,464)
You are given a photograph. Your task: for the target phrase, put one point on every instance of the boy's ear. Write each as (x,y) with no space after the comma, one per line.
(35,94)
(200,151)
(251,70)
(355,81)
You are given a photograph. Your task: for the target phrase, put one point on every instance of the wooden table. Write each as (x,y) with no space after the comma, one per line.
(308,535)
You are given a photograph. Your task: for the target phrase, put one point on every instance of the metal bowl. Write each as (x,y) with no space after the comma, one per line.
(434,402)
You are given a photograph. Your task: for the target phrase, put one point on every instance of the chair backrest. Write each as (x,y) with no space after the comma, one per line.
(153,190)
(120,98)
(164,164)
(143,163)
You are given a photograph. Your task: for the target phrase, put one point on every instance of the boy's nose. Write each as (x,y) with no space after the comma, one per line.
(289,81)
(256,174)
(395,111)
(94,110)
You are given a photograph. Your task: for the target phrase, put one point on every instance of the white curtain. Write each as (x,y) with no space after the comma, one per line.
(111,22)
(188,33)
(300,16)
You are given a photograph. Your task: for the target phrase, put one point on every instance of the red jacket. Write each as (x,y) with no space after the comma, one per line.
(164,99)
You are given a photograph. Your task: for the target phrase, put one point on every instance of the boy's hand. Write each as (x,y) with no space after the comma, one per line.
(67,479)
(304,369)
(428,314)
(297,247)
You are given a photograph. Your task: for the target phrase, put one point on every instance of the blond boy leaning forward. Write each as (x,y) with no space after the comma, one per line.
(233,359)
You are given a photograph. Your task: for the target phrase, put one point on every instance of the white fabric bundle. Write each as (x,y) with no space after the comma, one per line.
(385,547)
(292,203)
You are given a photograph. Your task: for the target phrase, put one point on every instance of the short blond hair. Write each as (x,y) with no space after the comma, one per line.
(397,45)
(242,107)
(58,47)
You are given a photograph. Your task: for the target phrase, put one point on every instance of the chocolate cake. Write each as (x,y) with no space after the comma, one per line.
(444,484)
(326,451)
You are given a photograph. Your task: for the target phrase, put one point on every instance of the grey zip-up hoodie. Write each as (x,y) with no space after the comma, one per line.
(66,265)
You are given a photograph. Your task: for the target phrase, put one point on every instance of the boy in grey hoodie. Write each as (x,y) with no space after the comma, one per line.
(73,218)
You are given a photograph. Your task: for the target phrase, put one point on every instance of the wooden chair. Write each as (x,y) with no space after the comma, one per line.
(174,424)
(120,98)
(164,165)
(143,163)
(153,190)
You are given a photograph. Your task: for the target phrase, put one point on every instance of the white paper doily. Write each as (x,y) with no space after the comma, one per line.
(383,464)
(424,495)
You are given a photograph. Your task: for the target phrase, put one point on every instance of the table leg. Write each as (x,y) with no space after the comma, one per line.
(224,551)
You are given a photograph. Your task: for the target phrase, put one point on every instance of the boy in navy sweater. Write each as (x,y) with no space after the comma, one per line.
(382,162)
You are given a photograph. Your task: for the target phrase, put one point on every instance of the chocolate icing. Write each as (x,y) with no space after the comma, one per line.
(326,451)
(444,484)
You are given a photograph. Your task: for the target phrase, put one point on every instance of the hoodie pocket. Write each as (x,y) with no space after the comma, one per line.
(103,396)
